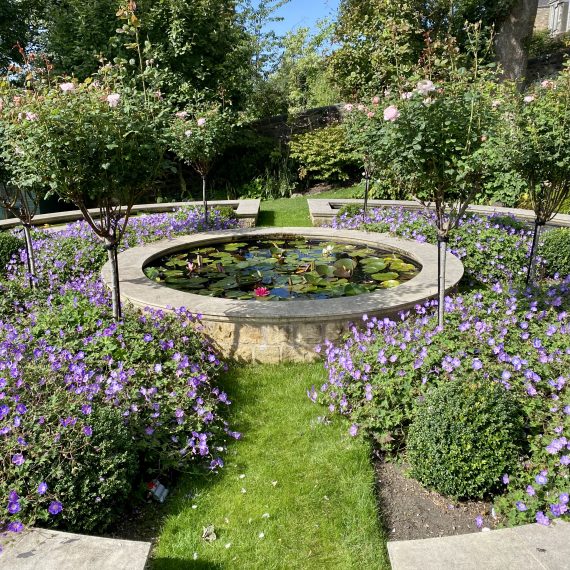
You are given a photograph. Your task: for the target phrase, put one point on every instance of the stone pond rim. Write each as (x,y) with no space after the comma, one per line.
(264,331)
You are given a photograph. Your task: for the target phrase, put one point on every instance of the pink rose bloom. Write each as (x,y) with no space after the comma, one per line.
(376,100)
(529,99)
(188,133)
(201,122)
(370,114)
(113,99)
(181,114)
(66,87)
(31,116)
(407,95)
(425,86)
(348,107)
(391,113)
(547,84)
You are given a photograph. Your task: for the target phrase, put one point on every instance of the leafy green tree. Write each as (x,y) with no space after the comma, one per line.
(198,136)
(378,39)
(540,149)
(433,139)
(90,143)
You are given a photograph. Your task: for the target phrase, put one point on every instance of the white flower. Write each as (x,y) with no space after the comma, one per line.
(188,133)
(529,99)
(201,122)
(348,107)
(181,114)
(113,99)
(407,95)
(495,103)
(261,535)
(265,515)
(65,87)
(428,101)
(425,86)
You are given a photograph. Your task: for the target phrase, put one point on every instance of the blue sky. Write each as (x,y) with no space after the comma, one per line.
(303,13)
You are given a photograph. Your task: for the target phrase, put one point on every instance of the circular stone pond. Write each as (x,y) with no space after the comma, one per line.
(287,324)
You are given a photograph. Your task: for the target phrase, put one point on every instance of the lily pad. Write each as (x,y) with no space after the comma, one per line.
(388,276)
(389,284)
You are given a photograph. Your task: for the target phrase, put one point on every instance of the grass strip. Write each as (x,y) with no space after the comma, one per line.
(296,491)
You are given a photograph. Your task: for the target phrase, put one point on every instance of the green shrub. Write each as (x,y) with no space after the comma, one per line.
(323,155)
(555,252)
(464,437)
(9,245)
(350,210)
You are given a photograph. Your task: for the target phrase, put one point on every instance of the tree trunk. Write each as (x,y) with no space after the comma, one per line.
(111,248)
(512,40)
(30,256)
(366,190)
(183,187)
(532,262)
(441,260)
(205,202)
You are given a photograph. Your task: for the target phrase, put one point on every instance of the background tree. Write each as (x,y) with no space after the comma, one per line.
(514,33)
(198,136)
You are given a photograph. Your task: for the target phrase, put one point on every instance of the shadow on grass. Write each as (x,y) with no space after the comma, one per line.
(180,564)
(266,218)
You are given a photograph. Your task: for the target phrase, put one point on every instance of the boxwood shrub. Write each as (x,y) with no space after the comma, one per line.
(555,252)
(464,436)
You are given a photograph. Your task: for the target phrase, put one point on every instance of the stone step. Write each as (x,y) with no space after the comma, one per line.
(528,547)
(41,549)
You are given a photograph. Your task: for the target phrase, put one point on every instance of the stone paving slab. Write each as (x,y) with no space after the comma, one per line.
(323,211)
(246,212)
(40,549)
(529,547)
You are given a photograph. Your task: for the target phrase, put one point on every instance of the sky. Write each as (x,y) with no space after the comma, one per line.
(303,13)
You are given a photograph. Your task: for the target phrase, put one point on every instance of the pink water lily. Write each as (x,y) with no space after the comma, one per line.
(261,292)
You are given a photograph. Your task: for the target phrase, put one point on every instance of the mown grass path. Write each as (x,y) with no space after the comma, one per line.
(296,492)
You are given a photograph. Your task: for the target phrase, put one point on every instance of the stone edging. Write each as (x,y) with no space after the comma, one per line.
(245,210)
(323,211)
(143,292)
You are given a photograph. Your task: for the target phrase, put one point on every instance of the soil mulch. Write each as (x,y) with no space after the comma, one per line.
(411,512)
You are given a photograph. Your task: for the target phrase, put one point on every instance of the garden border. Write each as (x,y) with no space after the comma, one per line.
(323,211)
(274,332)
(246,212)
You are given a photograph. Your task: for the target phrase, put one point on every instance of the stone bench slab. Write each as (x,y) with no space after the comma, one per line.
(41,549)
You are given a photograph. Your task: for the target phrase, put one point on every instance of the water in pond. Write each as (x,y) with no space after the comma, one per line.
(282,269)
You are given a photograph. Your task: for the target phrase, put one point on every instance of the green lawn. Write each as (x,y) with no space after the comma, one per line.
(294,212)
(307,486)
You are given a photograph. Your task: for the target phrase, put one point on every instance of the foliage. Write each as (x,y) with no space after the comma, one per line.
(322,154)
(540,143)
(9,246)
(199,135)
(377,374)
(303,79)
(555,252)
(543,44)
(382,41)
(94,426)
(464,436)
(492,249)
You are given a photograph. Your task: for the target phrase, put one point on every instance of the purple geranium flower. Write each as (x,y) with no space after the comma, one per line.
(55,507)
(42,488)
(18,459)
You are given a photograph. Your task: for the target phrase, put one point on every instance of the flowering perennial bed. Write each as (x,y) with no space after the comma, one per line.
(90,408)
(500,333)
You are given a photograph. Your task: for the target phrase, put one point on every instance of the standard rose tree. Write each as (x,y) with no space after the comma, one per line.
(198,136)
(90,144)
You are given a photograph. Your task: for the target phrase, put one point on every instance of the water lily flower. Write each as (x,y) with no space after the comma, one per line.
(391,113)
(261,292)
(113,99)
